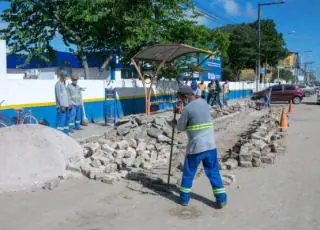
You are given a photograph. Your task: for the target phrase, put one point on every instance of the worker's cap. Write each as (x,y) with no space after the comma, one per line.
(64,73)
(185,90)
(74,77)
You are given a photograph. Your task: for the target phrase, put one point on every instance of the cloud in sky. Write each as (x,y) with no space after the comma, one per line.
(230,6)
(250,11)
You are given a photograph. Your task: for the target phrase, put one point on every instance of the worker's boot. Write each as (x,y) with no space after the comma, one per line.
(221,205)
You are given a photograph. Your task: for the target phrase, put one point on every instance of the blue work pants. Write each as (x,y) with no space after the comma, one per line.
(211,167)
(75,117)
(62,120)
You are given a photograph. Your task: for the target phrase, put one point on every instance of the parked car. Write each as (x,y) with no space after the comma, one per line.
(307,91)
(318,98)
(281,93)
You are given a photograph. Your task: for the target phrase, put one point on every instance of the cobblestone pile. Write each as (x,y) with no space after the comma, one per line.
(258,145)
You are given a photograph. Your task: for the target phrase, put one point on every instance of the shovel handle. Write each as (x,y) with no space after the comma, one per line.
(171,150)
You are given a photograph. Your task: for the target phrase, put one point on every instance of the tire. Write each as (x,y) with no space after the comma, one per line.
(29,119)
(296,100)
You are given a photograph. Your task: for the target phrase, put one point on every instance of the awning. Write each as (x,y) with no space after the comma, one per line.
(167,52)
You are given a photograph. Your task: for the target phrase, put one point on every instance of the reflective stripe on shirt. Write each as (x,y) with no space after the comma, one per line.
(199,126)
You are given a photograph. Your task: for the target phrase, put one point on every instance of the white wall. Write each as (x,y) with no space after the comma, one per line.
(3,60)
(51,73)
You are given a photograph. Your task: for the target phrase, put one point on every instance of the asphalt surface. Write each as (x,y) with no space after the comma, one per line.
(280,196)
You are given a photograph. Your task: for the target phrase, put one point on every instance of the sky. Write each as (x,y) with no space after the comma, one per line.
(298,20)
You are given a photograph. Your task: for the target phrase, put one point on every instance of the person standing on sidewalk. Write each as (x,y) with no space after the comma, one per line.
(197,121)
(226,91)
(63,103)
(211,89)
(218,93)
(203,87)
(76,102)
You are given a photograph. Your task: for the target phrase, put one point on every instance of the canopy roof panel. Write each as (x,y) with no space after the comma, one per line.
(167,53)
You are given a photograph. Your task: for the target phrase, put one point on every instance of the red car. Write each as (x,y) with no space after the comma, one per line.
(281,93)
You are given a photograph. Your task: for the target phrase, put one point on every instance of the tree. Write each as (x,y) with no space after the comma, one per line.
(242,51)
(33,24)
(284,74)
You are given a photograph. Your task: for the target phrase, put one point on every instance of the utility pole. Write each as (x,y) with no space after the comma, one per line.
(258,75)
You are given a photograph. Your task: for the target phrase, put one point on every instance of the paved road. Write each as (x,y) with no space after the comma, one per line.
(281,196)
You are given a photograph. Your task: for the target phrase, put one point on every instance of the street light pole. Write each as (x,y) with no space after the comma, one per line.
(258,75)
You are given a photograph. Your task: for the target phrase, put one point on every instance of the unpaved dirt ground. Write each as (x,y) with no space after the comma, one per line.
(281,196)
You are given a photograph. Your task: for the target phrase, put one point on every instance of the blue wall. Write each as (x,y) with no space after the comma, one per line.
(95,110)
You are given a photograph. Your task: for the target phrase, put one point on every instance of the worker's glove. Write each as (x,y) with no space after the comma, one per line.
(62,109)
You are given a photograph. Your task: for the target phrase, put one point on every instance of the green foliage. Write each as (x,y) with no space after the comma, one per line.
(242,52)
(284,74)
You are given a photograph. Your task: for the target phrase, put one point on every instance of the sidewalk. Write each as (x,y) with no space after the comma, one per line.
(281,196)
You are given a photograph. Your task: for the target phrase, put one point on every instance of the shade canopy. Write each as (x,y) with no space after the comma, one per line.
(167,53)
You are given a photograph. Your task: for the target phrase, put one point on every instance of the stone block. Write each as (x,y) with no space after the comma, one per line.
(146,165)
(163,139)
(92,146)
(132,143)
(95,172)
(119,154)
(130,153)
(96,163)
(256,162)
(246,164)
(142,146)
(144,120)
(245,156)
(137,162)
(97,154)
(124,173)
(259,144)
(231,164)
(109,179)
(122,145)
(265,151)
(150,147)
(256,153)
(269,158)
(107,149)
(153,132)
(153,156)
(110,168)
(127,162)
(146,155)
(123,130)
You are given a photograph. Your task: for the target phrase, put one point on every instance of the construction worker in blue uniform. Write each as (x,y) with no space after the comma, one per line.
(76,102)
(63,103)
(196,120)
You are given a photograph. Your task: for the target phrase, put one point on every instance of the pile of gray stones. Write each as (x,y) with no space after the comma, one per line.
(136,142)
(259,145)
(141,142)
